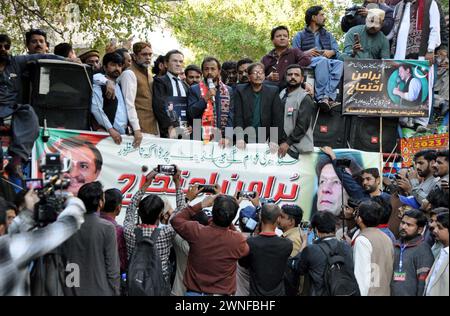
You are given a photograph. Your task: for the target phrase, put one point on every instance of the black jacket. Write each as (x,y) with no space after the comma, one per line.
(162,88)
(312,261)
(272,112)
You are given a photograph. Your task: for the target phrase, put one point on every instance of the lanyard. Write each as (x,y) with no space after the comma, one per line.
(400,264)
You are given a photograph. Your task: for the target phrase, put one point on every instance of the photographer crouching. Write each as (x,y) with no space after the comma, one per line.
(356,15)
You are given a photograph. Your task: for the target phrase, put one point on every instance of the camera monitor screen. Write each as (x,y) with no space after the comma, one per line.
(34,184)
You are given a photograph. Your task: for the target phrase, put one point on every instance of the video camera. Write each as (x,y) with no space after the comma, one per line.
(249,219)
(51,202)
(352,11)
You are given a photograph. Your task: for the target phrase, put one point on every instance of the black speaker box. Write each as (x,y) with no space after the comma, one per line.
(365,134)
(331,128)
(60,92)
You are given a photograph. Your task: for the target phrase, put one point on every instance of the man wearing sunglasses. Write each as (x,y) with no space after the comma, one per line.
(5,44)
(24,126)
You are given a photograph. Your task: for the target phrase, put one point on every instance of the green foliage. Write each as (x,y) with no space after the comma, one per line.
(234,29)
(227,29)
(97,20)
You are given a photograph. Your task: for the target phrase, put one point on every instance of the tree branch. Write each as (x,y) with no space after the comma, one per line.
(39,15)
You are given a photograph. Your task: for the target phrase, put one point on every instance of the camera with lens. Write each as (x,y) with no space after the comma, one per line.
(352,11)
(266,201)
(51,195)
(249,219)
(246,194)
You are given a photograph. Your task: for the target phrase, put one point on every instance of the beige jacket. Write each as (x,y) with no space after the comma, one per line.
(440,285)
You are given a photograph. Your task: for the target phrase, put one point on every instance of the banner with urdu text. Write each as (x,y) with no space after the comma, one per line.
(392,88)
(91,156)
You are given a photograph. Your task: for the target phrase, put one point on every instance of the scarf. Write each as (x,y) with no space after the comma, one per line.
(209,117)
(419,29)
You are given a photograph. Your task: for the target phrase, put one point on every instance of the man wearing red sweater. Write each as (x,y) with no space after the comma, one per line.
(214,249)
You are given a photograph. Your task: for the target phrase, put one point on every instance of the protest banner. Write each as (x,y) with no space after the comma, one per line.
(94,156)
(410,146)
(390,88)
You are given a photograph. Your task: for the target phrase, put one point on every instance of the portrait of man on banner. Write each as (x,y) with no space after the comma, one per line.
(84,161)
(410,89)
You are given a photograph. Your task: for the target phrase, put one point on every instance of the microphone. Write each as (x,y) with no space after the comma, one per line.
(211,85)
(45,132)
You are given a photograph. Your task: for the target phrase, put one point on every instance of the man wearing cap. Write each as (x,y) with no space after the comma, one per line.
(137,87)
(366,41)
(92,58)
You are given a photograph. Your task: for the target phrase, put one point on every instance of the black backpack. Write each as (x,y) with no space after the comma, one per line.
(145,277)
(338,278)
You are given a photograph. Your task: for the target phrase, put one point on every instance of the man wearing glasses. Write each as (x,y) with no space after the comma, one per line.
(257,106)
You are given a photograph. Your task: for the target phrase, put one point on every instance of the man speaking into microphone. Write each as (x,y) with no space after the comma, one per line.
(211,102)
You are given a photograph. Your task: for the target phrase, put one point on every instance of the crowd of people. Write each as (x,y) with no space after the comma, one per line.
(389,236)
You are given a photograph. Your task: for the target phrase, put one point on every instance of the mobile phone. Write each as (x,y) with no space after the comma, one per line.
(246,194)
(34,184)
(170,170)
(356,37)
(207,188)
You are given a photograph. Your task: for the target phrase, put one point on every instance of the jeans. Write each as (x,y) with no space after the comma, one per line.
(327,75)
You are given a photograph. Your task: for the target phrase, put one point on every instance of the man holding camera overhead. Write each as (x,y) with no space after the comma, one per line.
(214,249)
(357,15)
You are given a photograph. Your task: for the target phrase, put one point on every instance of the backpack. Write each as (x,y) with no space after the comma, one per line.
(338,278)
(145,277)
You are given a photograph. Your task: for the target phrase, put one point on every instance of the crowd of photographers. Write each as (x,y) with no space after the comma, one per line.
(384,243)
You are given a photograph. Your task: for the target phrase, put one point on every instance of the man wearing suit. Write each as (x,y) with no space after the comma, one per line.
(211,102)
(437,283)
(166,87)
(258,105)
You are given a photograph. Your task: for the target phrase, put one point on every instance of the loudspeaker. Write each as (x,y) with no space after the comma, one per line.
(61,92)
(365,134)
(331,128)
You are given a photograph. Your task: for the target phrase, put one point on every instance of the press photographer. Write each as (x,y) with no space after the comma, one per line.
(356,15)
(18,250)
(214,249)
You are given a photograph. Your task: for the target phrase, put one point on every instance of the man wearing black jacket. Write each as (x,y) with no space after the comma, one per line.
(167,87)
(258,105)
(312,261)
(25,125)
